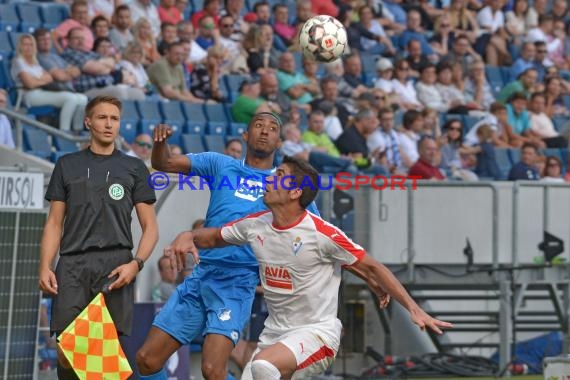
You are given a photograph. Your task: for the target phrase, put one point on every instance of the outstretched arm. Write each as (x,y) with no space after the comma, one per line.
(378,273)
(189,242)
(383,297)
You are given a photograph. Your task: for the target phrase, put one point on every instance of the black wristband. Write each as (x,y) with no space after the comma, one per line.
(140,262)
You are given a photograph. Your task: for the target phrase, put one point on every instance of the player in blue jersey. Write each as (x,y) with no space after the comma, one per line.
(216,299)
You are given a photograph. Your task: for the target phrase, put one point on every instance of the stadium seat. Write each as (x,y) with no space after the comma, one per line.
(65,145)
(172,115)
(194,112)
(551,152)
(237,128)
(515,155)
(149,116)
(9,20)
(567,101)
(368,63)
(29,13)
(130,109)
(6,49)
(561,122)
(469,121)
(215,143)
(53,14)
(216,113)
(129,129)
(494,77)
(54,156)
(216,128)
(503,161)
(37,142)
(232,82)
(192,144)
(298,61)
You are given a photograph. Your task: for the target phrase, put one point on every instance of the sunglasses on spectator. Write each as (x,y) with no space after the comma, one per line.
(209,26)
(143,144)
(454,129)
(553,164)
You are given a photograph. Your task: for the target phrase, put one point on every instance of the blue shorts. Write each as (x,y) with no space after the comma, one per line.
(212,300)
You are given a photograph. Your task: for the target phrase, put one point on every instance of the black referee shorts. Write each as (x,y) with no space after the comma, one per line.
(80,277)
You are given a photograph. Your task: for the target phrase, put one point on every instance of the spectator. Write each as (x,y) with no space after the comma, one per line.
(324,7)
(415,32)
(98,74)
(145,9)
(6,136)
(541,125)
(526,84)
(100,27)
(381,44)
(524,62)
(277,101)
(206,77)
(519,119)
(35,81)
(211,8)
(554,101)
(477,88)
(329,91)
(517,21)
(186,33)
(262,11)
(429,94)
(208,32)
(560,11)
(486,163)
(105,48)
(463,53)
(296,85)
(310,68)
(259,46)
(409,136)
(384,82)
(492,20)
(425,167)
(132,63)
(168,35)
(234,9)
(552,170)
(452,97)
(142,148)
(351,85)
(102,8)
(404,87)
(167,76)
(455,156)
(315,135)
(444,37)
(248,103)
(237,62)
(525,169)
(431,123)
(281,26)
(386,139)
(557,55)
(416,58)
(463,21)
(121,33)
(62,73)
(234,148)
(168,12)
(167,285)
(353,143)
(543,32)
(79,19)
(320,160)
(143,35)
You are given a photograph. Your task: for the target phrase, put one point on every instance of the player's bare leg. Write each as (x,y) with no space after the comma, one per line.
(156,350)
(215,356)
(242,352)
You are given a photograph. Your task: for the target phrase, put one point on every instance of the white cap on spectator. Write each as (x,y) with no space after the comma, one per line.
(384,64)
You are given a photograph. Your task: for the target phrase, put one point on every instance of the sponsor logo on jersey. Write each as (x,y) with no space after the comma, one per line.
(224,315)
(116,191)
(278,277)
(297,244)
(261,239)
(249,189)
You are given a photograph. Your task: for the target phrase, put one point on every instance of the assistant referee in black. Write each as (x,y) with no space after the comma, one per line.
(92,195)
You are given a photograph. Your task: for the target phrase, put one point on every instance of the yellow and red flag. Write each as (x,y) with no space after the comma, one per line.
(91,344)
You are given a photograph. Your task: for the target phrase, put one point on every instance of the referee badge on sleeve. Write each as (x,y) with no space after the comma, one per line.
(116,191)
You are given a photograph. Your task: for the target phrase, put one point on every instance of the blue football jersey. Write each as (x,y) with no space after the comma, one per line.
(236,190)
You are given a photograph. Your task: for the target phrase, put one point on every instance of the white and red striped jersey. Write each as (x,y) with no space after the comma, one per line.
(299,266)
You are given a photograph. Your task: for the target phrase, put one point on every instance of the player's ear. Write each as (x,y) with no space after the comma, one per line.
(245,136)
(87,123)
(295,193)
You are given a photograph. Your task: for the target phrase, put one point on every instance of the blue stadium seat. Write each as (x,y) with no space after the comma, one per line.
(53,14)
(56,156)
(173,116)
(14,37)
(494,77)
(237,128)
(232,82)
(9,20)
(65,145)
(129,129)
(194,113)
(192,144)
(216,128)
(149,116)
(130,109)
(368,63)
(6,49)
(561,122)
(515,155)
(298,61)
(551,152)
(567,101)
(469,122)
(36,142)
(216,113)
(215,143)
(29,13)
(503,161)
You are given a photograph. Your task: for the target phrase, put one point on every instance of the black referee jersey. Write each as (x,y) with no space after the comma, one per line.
(100,192)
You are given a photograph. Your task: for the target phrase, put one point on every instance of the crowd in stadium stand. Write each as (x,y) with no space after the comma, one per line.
(443,89)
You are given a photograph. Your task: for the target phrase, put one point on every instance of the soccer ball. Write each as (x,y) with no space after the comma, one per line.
(323,38)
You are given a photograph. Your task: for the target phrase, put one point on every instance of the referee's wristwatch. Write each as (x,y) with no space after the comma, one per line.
(140,262)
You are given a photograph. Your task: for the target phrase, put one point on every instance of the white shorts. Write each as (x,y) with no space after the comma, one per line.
(313,352)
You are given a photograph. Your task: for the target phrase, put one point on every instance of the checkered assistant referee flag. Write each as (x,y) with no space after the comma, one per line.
(91,344)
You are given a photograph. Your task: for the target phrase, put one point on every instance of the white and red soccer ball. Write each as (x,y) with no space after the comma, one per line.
(323,38)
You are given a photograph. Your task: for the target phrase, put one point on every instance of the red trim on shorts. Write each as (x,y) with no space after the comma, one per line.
(323,353)
(339,238)
(279,284)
